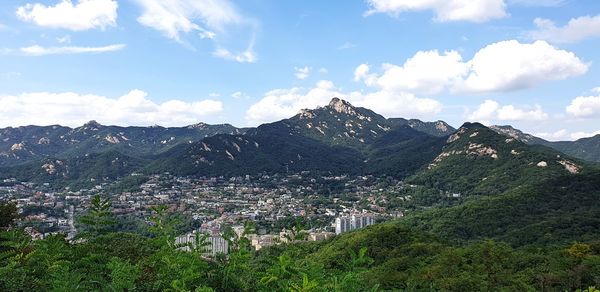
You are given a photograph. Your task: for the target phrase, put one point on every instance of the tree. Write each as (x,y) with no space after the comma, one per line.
(163,227)
(122,274)
(200,244)
(99,219)
(296,233)
(306,286)
(8,214)
(359,260)
(284,268)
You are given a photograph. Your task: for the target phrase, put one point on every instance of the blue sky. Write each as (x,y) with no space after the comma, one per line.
(531,64)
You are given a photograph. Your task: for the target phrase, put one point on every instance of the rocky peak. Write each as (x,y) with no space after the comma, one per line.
(306,114)
(442,126)
(92,125)
(199,125)
(341,106)
(514,133)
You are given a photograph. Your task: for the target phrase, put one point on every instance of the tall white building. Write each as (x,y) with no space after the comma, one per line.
(218,245)
(342,224)
(214,244)
(356,221)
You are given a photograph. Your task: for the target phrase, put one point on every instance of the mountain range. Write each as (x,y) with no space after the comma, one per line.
(584,148)
(481,204)
(337,138)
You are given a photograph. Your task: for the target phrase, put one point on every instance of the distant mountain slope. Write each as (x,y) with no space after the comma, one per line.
(23,144)
(337,138)
(85,170)
(478,161)
(559,210)
(438,128)
(585,148)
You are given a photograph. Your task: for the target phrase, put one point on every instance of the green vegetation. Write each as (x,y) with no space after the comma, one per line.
(585,148)
(467,169)
(398,255)
(515,224)
(553,211)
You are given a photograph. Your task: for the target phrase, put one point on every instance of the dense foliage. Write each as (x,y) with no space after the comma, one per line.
(515,224)
(464,166)
(584,148)
(388,256)
(552,211)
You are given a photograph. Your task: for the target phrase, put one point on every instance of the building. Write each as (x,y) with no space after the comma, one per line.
(260,241)
(342,224)
(357,221)
(316,236)
(213,244)
(361,221)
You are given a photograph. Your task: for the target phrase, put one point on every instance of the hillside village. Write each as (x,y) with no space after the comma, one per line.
(273,202)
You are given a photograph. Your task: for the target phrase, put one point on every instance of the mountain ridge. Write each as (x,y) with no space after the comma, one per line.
(337,138)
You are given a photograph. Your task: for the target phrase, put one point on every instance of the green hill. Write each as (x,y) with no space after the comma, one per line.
(478,161)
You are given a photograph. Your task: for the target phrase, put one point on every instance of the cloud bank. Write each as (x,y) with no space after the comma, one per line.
(73,109)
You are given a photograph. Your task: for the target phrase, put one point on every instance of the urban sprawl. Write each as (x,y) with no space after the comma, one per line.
(276,204)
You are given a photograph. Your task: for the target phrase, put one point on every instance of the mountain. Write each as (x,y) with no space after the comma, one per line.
(556,210)
(584,148)
(519,135)
(478,161)
(438,128)
(25,144)
(84,170)
(337,138)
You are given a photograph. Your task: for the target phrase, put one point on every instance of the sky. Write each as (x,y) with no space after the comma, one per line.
(532,64)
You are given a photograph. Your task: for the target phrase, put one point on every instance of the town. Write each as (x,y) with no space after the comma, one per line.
(277,204)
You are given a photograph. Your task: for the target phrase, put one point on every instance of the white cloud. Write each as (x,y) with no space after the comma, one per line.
(239,95)
(485,112)
(323,70)
(491,110)
(210,19)
(82,15)
(511,113)
(499,67)
(563,134)
(284,103)
(575,30)
(509,65)
(579,135)
(244,57)
(64,39)
(174,17)
(445,10)
(584,106)
(72,109)
(361,72)
(427,72)
(302,73)
(42,51)
(543,3)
